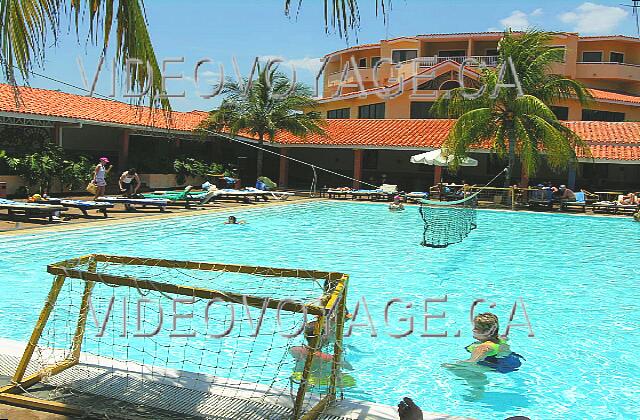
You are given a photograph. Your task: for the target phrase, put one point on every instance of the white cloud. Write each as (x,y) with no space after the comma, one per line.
(312,65)
(594,18)
(518,20)
(537,12)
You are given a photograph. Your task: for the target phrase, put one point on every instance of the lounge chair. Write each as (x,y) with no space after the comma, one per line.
(129,203)
(187,196)
(339,193)
(604,207)
(386,193)
(242,195)
(416,196)
(625,208)
(541,198)
(29,210)
(579,204)
(82,205)
(364,194)
(278,195)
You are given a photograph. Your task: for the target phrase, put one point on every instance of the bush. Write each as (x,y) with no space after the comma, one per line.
(39,169)
(192,167)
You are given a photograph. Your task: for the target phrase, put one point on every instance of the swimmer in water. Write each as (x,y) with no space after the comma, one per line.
(234,221)
(396,205)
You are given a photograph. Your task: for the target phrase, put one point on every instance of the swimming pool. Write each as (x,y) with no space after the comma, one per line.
(575,275)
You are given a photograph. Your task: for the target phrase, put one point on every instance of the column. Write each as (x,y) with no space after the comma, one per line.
(470,47)
(57,134)
(357,167)
(283,178)
(571,178)
(437,175)
(123,156)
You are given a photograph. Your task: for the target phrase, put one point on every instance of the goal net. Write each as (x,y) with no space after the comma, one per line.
(448,222)
(179,339)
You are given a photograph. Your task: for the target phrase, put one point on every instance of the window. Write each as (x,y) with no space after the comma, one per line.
(616,57)
(338,113)
(562,112)
(597,115)
(421,110)
(452,53)
(592,57)
(492,52)
(564,51)
(374,61)
(373,111)
(362,63)
(399,56)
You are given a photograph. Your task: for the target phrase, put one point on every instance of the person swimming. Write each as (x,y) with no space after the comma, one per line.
(396,205)
(490,349)
(233,220)
(322,362)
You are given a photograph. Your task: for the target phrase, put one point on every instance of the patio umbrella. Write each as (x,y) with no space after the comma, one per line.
(438,159)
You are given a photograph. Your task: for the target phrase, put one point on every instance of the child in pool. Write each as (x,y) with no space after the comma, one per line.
(490,349)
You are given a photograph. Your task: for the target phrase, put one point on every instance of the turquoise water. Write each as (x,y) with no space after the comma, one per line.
(577,278)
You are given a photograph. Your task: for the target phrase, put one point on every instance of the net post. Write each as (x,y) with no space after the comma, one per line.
(304,381)
(37,332)
(76,344)
(337,347)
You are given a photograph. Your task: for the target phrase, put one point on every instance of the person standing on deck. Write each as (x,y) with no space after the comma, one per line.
(100,176)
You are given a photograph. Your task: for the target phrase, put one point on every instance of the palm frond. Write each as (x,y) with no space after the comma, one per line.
(26,24)
(341,15)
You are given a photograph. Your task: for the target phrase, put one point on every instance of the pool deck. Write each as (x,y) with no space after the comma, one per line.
(107,383)
(118,215)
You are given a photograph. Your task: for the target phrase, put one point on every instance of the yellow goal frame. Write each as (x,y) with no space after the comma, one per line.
(332,300)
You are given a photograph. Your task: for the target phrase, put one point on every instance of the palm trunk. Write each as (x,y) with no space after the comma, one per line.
(260,157)
(512,158)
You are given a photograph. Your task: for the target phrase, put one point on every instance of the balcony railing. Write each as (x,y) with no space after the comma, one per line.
(487,60)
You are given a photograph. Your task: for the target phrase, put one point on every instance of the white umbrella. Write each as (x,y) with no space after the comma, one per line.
(436,158)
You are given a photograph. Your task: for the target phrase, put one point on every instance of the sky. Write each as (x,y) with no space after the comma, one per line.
(245,29)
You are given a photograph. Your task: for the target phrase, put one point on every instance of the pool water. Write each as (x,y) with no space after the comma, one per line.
(575,277)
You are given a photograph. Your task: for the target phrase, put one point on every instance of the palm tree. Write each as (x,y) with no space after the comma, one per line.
(26,25)
(516,125)
(265,106)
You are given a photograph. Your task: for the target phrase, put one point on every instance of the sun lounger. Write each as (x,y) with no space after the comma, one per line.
(363,194)
(278,195)
(129,203)
(385,193)
(541,198)
(30,210)
(579,204)
(82,205)
(242,195)
(338,193)
(416,196)
(187,196)
(604,207)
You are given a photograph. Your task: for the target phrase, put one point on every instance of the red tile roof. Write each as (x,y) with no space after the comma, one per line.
(610,141)
(83,108)
(615,97)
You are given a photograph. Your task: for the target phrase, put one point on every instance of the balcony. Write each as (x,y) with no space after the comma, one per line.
(608,70)
(366,74)
(487,60)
